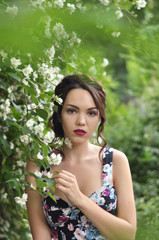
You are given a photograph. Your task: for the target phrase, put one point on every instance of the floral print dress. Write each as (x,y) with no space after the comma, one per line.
(68,222)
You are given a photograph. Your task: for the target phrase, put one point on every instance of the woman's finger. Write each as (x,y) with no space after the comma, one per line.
(63,182)
(65,176)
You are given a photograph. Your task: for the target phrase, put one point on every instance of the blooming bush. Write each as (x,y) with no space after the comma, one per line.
(39,45)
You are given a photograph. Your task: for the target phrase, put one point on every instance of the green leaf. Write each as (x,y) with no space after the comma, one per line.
(35,100)
(36,148)
(15,76)
(45,150)
(50,93)
(42,113)
(11,122)
(16,114)
(30,90)
(70,67)
(13,183)
(50,195)
(50,181)
(40,183)
(26,130)
(55,108)
(52,188)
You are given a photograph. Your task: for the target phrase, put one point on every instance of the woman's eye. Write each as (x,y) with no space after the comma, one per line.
(92,113)
(71,111)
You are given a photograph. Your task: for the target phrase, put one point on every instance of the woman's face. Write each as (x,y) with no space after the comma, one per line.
(79,116)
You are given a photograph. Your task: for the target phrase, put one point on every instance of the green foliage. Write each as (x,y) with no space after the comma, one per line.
(78,44)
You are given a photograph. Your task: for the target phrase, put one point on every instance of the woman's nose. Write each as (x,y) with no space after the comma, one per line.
(81,119)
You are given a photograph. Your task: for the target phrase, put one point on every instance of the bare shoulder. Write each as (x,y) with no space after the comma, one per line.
(119,157)
(121,168)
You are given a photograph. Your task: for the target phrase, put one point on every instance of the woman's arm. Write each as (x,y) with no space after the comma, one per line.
(38,225)
(120,227)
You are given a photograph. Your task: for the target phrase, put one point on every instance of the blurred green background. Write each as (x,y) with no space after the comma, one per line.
(130,80)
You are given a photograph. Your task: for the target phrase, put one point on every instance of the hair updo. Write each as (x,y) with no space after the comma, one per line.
(85,82)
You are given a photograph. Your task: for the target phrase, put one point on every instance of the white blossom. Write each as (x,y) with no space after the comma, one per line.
(71,7)
(104,2)
(47,32)
(48,73)
(60,100)
(38,174)
(31,106)
(105,62)
(104,73)
(11,145)
(22,201)
(6,109)
(92,60)
(119,14)
(49,136)
(40,156)
(27,71)
(7,102)
(39,129)
(33,187)
(37,2)
(25,82)
(59,3)
(116,34)
(10,89)
(82,8)
(19,152)
(68,143)
(49,4)
(55,159)
(141,4)
(93,70)
(4,137)
(35,75)
(38,91)
(51,106)
(25,139)
(30,123)
(4,195)
(51,52)
(59,31)
(49,175)
(40,105)
(74,39)
(3,54)
(21,164)
(40,119)
(15,62)
(12,10)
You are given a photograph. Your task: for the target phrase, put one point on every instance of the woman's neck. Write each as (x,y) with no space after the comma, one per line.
(78,152)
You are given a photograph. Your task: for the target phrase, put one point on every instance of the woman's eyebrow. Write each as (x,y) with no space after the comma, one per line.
(92,108)
(78,107)
(73,106)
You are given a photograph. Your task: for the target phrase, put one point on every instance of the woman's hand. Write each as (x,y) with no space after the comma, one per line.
(66,187)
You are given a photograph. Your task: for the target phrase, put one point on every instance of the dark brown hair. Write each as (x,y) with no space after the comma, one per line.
(74,82)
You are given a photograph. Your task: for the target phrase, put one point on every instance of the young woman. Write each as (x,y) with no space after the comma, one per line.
(93,187)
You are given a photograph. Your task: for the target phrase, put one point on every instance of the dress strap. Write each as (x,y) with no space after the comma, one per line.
(108,156)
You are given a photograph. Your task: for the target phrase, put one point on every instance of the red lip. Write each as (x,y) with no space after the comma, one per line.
(79,132)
